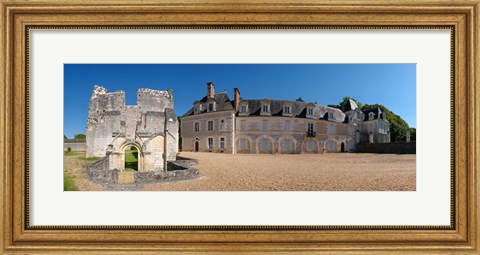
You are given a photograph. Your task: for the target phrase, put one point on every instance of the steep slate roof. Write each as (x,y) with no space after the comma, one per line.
(299,109)
(376,113)
(276,107)
(350,105)
(223,103)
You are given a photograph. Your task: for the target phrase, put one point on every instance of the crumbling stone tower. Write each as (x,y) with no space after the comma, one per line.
(114,127)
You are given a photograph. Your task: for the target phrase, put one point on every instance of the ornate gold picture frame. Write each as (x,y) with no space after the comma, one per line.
(20,17)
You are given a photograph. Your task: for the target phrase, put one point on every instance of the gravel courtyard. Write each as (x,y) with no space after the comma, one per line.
(298,172)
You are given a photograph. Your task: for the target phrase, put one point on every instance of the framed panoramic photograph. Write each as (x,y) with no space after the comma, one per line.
(257,127)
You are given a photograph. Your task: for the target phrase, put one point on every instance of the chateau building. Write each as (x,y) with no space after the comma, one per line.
(217,124)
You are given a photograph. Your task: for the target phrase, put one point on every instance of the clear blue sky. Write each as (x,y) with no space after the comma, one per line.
(392,85)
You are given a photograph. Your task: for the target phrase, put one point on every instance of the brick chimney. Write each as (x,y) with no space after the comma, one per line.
(210,90)
(236,98)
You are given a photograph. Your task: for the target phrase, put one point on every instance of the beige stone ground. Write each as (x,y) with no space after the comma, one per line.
(300,172)
(251,172)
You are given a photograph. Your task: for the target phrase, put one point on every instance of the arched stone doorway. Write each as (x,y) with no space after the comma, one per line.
(342,147)
(287,144)
(310,146)
(265,144)
(244,144)
(196,148)
(131,159)
(331,146)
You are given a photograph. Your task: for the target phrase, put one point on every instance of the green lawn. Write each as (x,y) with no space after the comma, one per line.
(80,155)
(68,183)
(131,160)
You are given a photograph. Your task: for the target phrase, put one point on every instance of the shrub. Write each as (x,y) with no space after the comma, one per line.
(69,149)
(80,136)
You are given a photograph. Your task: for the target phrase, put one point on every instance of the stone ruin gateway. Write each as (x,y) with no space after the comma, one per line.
(114,127)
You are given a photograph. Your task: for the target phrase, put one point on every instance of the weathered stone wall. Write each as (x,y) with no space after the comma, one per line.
(75,146)
(114,127)
(99,171)
(389,148)
(175,175)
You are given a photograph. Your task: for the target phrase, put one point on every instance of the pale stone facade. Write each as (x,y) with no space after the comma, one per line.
(114,127)
(217,124)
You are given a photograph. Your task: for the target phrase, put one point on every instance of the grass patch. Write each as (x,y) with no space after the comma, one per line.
(69,183)
(131,160)
(131,156)
(89,159)
(71,153)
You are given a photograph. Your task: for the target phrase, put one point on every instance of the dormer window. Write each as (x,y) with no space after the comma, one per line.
(310,111)
(370,116)
(349,119)
(331,116)
(287,109)
(243,108)
(196,107)
(266,108)
(211,107)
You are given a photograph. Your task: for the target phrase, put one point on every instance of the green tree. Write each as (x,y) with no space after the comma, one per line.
(80,136)
(413,134)
(299,99)
(65,137)
(334,106)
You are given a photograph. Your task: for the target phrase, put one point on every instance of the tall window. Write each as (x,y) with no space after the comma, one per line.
(197,126)
(210,143)
(210,125)
(287,109)
(287,145)
(265,125)
(309,111)
(264,144)
(310,128)
(243,125)
(222,124)
(331,129)
(287,126)
(265,108)
(370,116)
(310,145)
(210,107)
(243,144)
(222,143)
